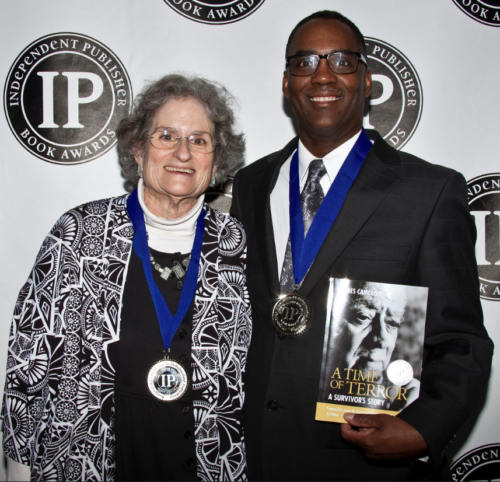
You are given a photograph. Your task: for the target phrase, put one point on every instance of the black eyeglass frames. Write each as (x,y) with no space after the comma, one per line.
(339,62)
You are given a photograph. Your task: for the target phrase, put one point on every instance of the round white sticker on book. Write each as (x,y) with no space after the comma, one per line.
(400,372)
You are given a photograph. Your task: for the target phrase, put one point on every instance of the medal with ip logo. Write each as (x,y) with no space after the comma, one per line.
(167,380)
(293,313)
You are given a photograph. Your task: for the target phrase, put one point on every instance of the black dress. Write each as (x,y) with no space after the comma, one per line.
(155,440)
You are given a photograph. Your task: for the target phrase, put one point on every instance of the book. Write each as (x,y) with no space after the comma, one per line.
(372,350)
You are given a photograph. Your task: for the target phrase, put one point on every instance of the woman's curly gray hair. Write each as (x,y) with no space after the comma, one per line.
(218,102)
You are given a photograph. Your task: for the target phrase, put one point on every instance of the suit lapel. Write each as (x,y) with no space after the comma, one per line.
(263,217)
(372,185)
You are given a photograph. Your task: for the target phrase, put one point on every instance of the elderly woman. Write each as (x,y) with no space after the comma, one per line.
(129,339)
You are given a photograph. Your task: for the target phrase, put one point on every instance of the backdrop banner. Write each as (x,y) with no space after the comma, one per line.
(71,69)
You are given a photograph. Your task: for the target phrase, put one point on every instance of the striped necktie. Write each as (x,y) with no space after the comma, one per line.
(311,197)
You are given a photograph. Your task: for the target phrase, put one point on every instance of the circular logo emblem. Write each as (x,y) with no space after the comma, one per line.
(483,11)
(215,11)
(292,314)
(482,463)
(400,372)
(167,380)
(484,204)
(396,102)
(64,97)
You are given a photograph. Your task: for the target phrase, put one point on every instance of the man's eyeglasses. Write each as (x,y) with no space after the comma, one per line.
(169,139)
(339,62)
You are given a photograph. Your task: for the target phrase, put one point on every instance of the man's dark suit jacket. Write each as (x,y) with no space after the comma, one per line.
(404,221)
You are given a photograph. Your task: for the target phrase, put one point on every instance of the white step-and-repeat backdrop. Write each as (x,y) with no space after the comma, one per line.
(70,70)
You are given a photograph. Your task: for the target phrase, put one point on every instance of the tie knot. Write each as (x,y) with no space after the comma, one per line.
(317,170)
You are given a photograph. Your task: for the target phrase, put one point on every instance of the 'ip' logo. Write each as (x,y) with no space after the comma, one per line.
(483,11)
(396,101)
(64,97)
(215,12)
(484,204)
(481,463)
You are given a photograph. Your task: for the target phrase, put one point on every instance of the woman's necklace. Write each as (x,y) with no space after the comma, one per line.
(177,269)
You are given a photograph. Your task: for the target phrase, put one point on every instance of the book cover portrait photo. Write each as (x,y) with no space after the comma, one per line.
(372,352)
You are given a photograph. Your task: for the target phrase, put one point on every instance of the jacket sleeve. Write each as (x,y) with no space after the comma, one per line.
(28,354)
(457,349)
(15,398)
(32,311)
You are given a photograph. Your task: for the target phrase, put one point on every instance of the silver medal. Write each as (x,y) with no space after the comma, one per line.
(167,380)
(292,314)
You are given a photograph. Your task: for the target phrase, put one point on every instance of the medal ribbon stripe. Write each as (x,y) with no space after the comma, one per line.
(168,323)
(305,248)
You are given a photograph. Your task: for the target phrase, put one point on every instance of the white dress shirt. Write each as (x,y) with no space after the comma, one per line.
(279,197)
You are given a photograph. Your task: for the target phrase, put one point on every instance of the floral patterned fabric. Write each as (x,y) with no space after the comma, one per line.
(58,411)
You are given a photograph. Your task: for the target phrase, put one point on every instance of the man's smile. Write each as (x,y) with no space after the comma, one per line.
(324,95)
(324,98)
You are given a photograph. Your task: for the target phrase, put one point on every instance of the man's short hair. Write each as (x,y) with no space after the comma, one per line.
(331,15)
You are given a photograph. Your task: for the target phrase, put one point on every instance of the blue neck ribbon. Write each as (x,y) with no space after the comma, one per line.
(305,248)
(168,323)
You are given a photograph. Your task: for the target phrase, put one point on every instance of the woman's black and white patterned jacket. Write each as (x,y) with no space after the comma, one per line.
(58,411)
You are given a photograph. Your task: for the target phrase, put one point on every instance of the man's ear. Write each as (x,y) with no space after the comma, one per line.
(285,85)
(368,83)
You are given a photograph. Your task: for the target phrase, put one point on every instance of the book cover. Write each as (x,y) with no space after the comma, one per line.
(372,351)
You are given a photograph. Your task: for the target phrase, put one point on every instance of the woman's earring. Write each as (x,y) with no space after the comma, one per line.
(212,182)
(139,170)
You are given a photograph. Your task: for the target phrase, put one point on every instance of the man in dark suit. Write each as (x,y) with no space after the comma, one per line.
(403,221)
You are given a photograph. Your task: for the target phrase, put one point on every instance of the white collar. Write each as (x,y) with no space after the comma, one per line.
(333,160)
(183,226)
